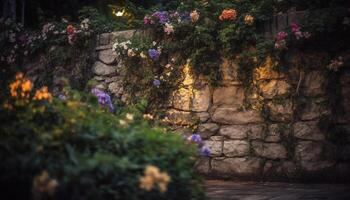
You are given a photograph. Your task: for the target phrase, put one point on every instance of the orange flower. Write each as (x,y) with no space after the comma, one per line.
(22,85)
(43,94)
(228,14)
(249,20)
(194,16)
(70,29)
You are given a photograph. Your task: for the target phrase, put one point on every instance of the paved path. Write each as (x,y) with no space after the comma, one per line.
(227,190)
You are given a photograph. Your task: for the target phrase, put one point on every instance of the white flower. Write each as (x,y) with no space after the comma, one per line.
(168,66)
(168,29)
(85,24)
(142,55)
(154,43)
(129,116)
(131,53)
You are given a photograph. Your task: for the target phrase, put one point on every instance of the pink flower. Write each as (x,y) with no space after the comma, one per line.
(295,27)
(147,20)
(281,36)
(168,29)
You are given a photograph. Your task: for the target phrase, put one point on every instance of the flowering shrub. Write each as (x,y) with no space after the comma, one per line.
(72,149)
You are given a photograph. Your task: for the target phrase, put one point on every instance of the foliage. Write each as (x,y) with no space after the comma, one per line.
(71,149)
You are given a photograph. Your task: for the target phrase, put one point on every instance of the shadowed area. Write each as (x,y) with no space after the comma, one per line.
(229,190)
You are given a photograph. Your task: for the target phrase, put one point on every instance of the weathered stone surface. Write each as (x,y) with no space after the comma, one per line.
(104,39)
(314,110)
(99,78)
(202,116)
(101,86)
(289,168)
(102,69)
(234,116)
(308,151)
(280,112)
(201,98)
(215,147)
(231,96)
(273,133)
(314,84)
(202,165)
(236,148)
(179,117)
(108,56)
(266,71)
(229,72)
(182,99)
(274,88)
(127,34)
(242,131)
(207,130)
(269,150)
(248,166)
(308,131)
(312,166)
(116,88)
(272,168)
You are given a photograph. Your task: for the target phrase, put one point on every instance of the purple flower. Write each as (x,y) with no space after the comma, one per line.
(154,54)
(156,82)
(196,138)
(161,16)
(103,99)
(204,151)
(62,97)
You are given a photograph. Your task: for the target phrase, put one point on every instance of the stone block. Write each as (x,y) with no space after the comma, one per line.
(108,56)
(269,150)
(179,117)
(231,96)
(308,131)
(274,88)
(314,84)
(234,116)
(242,131)
(207,130)
(201,98)
(280,112)
(182,99)
(308,151)
(215,147)
(102,69)
(248,166)
(236,148)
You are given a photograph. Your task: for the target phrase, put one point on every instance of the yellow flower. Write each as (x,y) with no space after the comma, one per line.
(146,183)
(249,20)
(153,176)
(43,94)
(44,184)
(129,116)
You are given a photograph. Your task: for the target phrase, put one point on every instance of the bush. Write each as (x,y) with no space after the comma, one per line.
(72,149)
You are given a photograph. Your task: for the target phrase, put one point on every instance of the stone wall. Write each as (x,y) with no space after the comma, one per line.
(260,133)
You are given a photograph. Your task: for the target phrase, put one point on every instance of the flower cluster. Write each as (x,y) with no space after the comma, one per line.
(43,184)
(43,94)
(168,19)
(127,48)
(249,20)
(21,87)
(296,30)
(103,99)
(280,42)
(203,150)
(336,64)
(153,177)
(228,14)
(20,42)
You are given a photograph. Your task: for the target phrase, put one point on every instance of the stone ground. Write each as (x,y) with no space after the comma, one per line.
(228,190)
